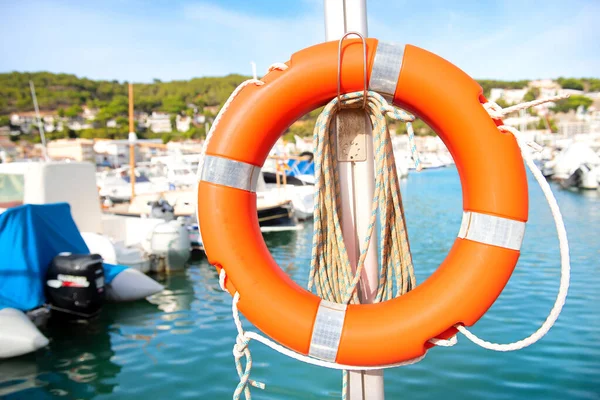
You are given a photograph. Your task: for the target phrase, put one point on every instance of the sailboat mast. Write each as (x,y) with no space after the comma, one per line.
(132,140)
(39,121)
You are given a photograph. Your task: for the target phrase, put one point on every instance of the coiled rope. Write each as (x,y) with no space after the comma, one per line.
(331,271)
(496,112)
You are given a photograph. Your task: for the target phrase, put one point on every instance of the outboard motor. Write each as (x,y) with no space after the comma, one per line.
(75,284)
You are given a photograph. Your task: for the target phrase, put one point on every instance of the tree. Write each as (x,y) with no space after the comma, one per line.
(532,94)
(502,103)
(173,104)
(73,111)
(166,137)
(4,121)
(570,83)
(548,123)
(572,103)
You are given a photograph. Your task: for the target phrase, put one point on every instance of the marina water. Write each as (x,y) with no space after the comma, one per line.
(180,346)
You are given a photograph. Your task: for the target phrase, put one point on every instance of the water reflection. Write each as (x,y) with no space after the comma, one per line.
(63,369)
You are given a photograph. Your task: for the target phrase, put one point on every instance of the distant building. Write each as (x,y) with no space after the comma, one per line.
(200,119)
(72,149)
(78,124)
(111,123)
(185,147)
(570,92)
(183,123)
(8,150)
(212,109)
(25,121)
(141,119)
(193,107)
(572,128)
(511,96)
(89,114)
(544,84)
(116,152)
(159,122)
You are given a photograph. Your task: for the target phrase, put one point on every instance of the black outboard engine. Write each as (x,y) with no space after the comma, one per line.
(75,285)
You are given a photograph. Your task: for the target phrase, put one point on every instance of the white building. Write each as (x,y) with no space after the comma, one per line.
(78,124)
(71,149)
(116,152)
(159,122)
(183,123)
(89,113)
(511,96)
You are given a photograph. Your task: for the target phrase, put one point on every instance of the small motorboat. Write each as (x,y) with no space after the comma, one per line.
(31,238)
(119,239)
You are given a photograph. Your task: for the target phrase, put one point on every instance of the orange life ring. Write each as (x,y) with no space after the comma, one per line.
(479,263)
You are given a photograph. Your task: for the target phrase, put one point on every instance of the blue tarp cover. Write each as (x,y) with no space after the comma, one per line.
(30,237)
(301,167)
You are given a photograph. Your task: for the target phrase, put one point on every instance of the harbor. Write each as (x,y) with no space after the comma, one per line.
(177,339)
(366,218)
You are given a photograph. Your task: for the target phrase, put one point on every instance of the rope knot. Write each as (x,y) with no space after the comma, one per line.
(240,349)
(240,346)
(494,110)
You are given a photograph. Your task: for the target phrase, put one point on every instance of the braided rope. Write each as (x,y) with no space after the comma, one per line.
(240,348)
(498,112)
(331,273)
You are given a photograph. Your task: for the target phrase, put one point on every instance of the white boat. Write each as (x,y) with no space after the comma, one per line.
(567,162)
(178,170)
(118,239)
(298,187)
(301,196)
(116,184)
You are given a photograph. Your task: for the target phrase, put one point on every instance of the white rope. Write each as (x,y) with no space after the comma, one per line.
(498,112)
(565,269)
(249,335)
(240,348)
(278,67)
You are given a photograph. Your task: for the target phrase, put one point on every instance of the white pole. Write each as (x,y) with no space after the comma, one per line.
(357,184)
(39,121)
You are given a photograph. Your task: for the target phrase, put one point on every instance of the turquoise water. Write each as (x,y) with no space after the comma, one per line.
(179,346)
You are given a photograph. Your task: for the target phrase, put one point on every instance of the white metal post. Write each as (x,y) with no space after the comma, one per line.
(357,184)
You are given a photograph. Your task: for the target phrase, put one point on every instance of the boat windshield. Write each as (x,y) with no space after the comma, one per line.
(139,178)
(11,190)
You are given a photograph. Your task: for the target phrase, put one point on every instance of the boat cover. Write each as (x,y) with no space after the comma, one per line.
(301,167)
(30,237)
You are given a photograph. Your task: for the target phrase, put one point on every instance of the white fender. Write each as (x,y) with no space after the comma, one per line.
(99,244)
(131,285)
(18,335)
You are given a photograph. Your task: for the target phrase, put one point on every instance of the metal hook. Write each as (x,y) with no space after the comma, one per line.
(339,71)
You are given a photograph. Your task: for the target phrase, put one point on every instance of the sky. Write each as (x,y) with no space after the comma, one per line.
(168,39)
